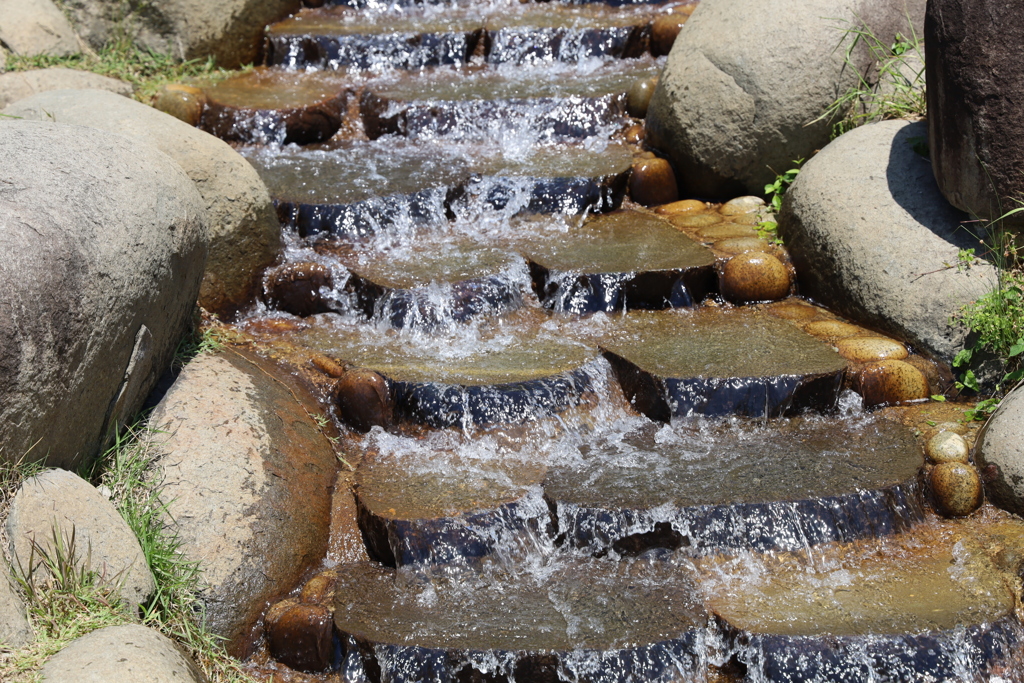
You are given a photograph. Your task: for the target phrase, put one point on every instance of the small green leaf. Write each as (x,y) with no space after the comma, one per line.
(970,381)
(963,358)
(938,397)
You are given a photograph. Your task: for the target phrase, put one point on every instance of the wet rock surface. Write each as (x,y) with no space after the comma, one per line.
(247,478)
(710,363)
(110,296)
(711,484)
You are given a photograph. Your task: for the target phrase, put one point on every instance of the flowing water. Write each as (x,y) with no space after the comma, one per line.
(573,458)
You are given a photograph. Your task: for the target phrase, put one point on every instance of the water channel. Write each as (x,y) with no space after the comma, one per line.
(584,448)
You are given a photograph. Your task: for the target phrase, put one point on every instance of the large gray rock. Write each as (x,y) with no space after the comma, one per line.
(1000,454)
(975,96)
(103,241)
(744,82)
(122,654)
(18,85)
(231,31)
(247,478)
(243,230)
(15,630)
(872,238)
(36,27)
(59,503)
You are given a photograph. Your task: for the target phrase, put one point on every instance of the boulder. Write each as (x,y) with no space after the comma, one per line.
(122,654)
(743,84)
(975,97)
(872,238)
(58,506)
(36,27)
(15,630)
(1000,454)
(103,240)
(244,233)
(18,85)
(230,31)
(247,479)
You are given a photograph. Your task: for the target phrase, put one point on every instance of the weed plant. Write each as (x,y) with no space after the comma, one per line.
(774,192)
(898,92)
(67,600)
(996,320)
(121,58)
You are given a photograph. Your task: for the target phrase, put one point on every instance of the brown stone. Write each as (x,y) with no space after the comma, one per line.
(936,382)
(320,589)
(634,134)
(183,102)
(831,330)
(295,288)
(947,447)
(727,230)
(739,245)
(653,182)
(741,205)
(364,400)
(868,349)
(300,635)
(683,206)
(796,310)
(890,382)
(639,96)
(665,28)
(754,276)
(956,488)
(975,94)
(693,221)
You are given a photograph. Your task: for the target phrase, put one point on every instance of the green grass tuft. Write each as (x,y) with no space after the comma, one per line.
(146,70)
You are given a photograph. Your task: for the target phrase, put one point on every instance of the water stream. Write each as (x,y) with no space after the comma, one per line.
(576,456)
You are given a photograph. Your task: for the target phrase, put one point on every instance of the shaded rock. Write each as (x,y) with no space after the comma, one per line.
(896,280)
(742,86)
(122,654)
(1000,457)
(975,93)
(15,630)
(754,276)
(3,60)
(104,241)
(956,488)
(247,477)
(231,32)
(18,85)
(947,447)
(364,400)
(60,503)
(36,27)
(244,232)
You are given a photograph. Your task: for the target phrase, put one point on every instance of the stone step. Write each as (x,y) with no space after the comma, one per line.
(712,486)
(438,281)
(520,33)
(584,622)
(553,103)
(327,190)
(620,261)
(267,106)
(926,606)
(716,361)
(517,370)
